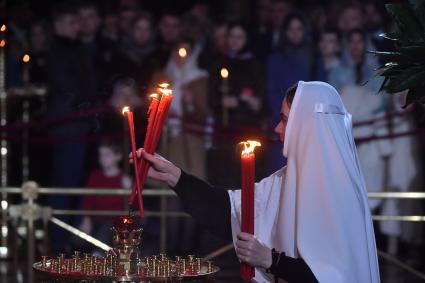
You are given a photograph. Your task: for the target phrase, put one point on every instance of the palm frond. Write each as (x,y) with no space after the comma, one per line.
(404,69)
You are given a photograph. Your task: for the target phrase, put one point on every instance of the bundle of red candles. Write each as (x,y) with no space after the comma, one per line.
(247,188)
(157,113)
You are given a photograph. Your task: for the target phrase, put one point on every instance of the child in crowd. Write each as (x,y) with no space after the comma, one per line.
(109,175)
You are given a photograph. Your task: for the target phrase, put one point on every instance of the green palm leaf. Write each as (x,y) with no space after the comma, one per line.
(404,69)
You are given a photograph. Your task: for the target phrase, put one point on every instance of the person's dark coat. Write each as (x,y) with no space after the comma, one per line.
(133,61)
(71,84)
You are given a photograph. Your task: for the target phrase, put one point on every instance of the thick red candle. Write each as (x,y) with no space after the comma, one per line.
(126,111)
(247,191)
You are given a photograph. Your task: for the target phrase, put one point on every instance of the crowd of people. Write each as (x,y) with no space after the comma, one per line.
(89,55)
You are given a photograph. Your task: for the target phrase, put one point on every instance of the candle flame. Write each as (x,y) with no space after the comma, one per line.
(164,89)
(182,52)
(224,73)
(153,95)
(249,146)
(26,58)
(127,220)
(3,28)
(125,110)
(2,43)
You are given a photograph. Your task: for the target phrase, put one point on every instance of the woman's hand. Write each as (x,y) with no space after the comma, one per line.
(161,169)
(252,251)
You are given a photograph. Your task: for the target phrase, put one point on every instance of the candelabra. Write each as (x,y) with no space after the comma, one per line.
(123,263)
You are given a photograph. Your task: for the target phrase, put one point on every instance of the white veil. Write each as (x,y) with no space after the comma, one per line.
(316,207)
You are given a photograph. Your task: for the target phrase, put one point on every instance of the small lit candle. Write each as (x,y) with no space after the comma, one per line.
(247,191)
(224,73)
(26,74)
(182,52)
(126,112)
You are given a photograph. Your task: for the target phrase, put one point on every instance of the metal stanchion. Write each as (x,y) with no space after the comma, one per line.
(29,211)
(163,199)
(4,251)
(25,158)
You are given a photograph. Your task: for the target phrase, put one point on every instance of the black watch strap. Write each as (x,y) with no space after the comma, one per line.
(275,261)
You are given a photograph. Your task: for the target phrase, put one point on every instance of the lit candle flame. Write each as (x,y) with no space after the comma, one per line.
(2,43)
(125,110)
(153,95)
(182,52)
(224,73)
(3,28)
(127,220)
(249,146)
(26,58)
(164,89)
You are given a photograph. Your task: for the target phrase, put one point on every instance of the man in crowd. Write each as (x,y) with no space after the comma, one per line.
(71,89)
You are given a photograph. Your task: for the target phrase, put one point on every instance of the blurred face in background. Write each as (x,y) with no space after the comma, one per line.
(38,37)
(295,31)
(356,47)
(110,25)
(126,16)
(220,38)
(169,28)
(108,158)
(318,18)
(201,10)
(142,31)
(329,45)
(262,11)
(350,19)
(278,11)
(67,26)
(374,18)
(89,21)
(236,39)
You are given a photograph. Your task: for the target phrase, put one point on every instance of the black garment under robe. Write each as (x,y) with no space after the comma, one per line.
(210,207)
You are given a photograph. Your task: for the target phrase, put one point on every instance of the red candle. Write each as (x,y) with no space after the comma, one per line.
(247,189)
(126,111)
(155,124)
(164,105)
(153,107)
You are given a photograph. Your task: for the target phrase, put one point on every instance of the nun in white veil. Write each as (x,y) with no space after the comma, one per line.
(312,220)
(316,208)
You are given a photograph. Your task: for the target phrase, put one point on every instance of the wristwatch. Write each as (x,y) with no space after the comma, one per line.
(275,261)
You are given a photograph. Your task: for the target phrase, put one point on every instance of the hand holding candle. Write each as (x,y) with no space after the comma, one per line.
(247,190)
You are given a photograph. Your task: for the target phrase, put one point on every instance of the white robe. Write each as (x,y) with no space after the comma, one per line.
(316,207)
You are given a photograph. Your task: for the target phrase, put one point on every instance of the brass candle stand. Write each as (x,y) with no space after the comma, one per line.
(123,264)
